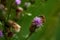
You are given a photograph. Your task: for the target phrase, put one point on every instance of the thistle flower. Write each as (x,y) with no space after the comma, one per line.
(14,25)
(1,33)
(18,2)
(37,21)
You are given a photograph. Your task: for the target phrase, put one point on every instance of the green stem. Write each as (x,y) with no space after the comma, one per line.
(29,36)
(4,30)
(9,11)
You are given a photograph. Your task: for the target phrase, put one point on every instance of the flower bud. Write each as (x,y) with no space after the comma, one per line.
(27,5)
(1,7)
(1,33)
(32,28)
(14,25)
(2,12)
(10,34)
(19,11)
(18,2)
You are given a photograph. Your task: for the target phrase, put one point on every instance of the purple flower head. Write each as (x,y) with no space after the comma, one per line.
(1,33)
(18,2)
(37,21)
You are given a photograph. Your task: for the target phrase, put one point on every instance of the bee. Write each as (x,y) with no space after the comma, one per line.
(43,18)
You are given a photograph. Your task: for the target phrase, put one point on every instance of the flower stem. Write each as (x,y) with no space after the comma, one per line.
(29,35)
(9,9)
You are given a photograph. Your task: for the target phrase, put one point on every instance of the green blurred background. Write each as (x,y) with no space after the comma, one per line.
(50,30)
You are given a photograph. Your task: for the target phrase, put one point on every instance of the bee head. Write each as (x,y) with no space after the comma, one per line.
(43,18)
